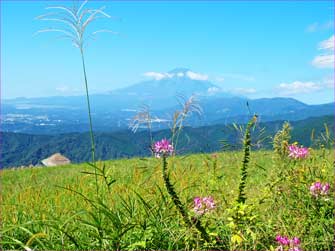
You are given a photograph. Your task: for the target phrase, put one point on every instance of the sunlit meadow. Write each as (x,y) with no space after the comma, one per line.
(280,199)
(56,208)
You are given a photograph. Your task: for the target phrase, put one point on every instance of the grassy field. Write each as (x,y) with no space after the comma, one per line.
(60,208)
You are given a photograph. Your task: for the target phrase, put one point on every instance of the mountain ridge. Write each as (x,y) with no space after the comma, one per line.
(115,110)
(25,149)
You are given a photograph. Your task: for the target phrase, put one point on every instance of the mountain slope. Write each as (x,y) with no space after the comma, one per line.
(23,149)
(115,110)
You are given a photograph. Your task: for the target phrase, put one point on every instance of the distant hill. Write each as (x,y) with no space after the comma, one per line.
(161,93)
(228,110)
(114,111)
(24,149)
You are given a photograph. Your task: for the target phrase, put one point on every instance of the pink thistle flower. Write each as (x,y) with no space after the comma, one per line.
(297,152)
(278,238)
(163,147)
(293,244)
(197,202)
(203,205)
(317,188)
(283,240)
(209,202)
(295,241)
(325,189)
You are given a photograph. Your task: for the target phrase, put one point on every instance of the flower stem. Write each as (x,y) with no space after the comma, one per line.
(202,230)
(89,118)
(179,204)
(88,107)
(173,194)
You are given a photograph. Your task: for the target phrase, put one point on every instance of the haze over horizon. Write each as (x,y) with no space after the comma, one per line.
(256,49)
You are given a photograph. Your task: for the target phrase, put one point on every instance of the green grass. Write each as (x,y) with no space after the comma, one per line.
(56,208)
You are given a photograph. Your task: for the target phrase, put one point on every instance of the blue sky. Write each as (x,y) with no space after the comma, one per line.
(258,49)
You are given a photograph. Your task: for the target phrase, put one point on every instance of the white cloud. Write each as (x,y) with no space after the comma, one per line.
(158,75)
(314,27)
(164,75)
(196,76)
(298,87)
(244,90)
(325,60)
(327,44)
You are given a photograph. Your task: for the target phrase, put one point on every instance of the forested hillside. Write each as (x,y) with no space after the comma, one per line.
(24,149)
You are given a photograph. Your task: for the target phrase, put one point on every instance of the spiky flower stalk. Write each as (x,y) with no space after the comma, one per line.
(73,26)
(162,149)
(173,194)
(244,173)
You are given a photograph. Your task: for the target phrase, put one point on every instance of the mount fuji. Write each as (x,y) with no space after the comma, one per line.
(115,110)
